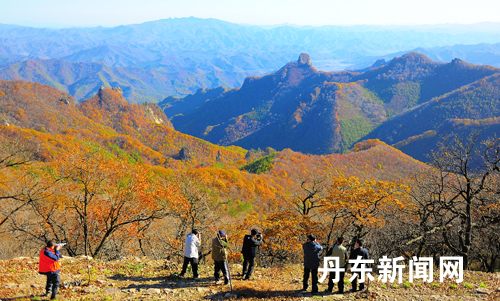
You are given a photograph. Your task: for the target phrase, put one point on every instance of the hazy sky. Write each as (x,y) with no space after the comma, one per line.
(259,12)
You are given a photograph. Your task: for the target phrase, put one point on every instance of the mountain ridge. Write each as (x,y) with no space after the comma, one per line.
(320,112)
(83,80)
(187,54)
(134,131)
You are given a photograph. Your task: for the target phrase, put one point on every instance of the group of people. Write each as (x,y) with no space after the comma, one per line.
(219,254)
(49,260)
(312,249)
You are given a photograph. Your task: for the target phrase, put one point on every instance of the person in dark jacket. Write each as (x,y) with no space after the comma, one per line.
(249,251)
(311,262)
(219,255)
(50,267)
(358,251)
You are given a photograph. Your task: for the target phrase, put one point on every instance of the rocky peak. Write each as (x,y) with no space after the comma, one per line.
(304,59)
(117,90)
(113,96)
(156,115)
(67,99)
(184,154)
(459,63)
(103,89)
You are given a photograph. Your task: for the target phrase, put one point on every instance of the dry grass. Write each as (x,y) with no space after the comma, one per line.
(117,280)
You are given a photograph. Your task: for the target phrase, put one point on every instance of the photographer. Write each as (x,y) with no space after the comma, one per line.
(193,241)
(249,251)
(49,266)
(311,248)
(219,255)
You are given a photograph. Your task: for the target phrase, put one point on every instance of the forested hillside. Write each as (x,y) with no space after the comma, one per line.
(107,119)
(474,107)
(109,129)
(113,178)
(318,112)
(82,80)
(121,142)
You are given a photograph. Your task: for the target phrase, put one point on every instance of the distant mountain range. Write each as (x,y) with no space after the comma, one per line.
(318,112)
(478,54)
(83,80)
(235,84)
(179,56)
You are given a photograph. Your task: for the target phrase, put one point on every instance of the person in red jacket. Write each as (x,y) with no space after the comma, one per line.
(49,266)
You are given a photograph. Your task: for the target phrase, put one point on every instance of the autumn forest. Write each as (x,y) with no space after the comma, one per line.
(113,178)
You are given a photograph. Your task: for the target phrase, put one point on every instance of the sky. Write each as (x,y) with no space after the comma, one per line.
(108,13)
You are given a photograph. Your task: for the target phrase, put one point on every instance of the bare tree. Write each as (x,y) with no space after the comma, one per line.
(310,195)
(19,186)
(460,194)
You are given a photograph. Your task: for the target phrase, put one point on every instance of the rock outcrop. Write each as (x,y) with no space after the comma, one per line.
(304,59)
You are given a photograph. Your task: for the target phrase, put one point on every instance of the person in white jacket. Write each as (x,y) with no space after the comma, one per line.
(193,241)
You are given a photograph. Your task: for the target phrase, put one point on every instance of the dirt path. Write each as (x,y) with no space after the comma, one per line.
(146,279)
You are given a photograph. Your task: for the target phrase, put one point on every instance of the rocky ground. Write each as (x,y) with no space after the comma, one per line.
(147,279)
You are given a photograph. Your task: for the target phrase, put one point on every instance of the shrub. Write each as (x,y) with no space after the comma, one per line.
(260,165)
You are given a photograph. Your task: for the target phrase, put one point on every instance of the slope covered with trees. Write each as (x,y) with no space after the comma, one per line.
(317,112)
(82,80)
(101,178)
(471,107)
(107,118)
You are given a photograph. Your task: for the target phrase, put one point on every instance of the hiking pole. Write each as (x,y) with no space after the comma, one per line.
(220,241)
(229,274)
(258,256)
(87,253)
(202,249)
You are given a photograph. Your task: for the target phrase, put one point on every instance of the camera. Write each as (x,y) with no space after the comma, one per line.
(61,245)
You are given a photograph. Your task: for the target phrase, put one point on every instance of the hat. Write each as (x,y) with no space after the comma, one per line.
(222,233)
(254,232)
